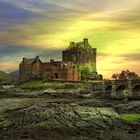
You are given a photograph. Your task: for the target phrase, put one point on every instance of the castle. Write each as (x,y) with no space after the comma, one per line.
(76,58)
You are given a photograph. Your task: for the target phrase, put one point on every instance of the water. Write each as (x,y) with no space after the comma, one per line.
(8,86)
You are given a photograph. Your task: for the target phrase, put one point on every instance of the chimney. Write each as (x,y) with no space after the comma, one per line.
(37,57)
(85,41)
(24,59)
(72,43)
(51,60)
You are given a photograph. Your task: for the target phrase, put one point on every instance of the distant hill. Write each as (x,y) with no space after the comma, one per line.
(14,73)
(6,78)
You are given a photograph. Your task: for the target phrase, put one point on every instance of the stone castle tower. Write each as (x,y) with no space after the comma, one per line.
(82,54)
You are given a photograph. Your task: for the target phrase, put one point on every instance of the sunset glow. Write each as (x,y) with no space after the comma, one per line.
(45,28)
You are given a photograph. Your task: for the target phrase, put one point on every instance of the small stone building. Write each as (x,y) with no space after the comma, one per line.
(30,69)
(75,58)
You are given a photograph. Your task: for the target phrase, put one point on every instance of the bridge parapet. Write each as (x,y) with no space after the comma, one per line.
(97,86)
(134,88)
(119,88)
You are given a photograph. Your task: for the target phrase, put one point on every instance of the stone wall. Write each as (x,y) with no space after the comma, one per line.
(74,59)
(30,69)
(82,54)
(61,71)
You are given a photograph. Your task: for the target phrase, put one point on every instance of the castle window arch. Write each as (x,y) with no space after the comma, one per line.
(87,60)
(56,75)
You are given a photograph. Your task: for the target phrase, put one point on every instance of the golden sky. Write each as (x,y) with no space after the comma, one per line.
(32,27)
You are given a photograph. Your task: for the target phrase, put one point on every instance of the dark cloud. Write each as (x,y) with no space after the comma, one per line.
(36,22)
(126,57)
(10,49)
(11,13)
(132,56)
(48,53)
(18,52)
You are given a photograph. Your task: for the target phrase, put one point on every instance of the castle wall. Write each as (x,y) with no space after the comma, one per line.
(36,70)
(83,58)
(74,59)
(25,72)
(29,71)
(61,72)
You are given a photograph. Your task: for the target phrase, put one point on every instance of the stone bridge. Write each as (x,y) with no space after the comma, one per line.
(119,88)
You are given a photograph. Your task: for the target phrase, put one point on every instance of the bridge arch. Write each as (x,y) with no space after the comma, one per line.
(120,91)
(136,90)
(120,88)
(108,88)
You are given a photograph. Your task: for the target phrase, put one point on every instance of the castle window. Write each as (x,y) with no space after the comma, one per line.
(56,75)
(35,76)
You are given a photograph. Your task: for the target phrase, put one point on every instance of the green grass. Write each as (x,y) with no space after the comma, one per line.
(5,77)
(53,85)
(130,117)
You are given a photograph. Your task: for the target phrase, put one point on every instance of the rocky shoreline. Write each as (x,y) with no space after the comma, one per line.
(73,117)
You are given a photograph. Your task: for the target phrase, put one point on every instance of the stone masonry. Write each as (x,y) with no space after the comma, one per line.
(74,59)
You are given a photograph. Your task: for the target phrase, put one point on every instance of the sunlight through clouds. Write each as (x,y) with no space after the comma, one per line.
(113,27)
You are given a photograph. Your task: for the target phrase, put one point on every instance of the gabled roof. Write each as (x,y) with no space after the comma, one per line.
(80,46)
(29,61)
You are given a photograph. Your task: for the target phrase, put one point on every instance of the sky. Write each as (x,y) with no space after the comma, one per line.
(45,28)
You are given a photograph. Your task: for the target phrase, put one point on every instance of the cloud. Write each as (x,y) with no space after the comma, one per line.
(6,50)
(11,13)
(8,66)
(131,56)
(108,63)
(32,27)
(11,56)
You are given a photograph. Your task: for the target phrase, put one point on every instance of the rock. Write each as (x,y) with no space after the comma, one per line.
(49,91)
(133,107)
(85,91)
(86,119)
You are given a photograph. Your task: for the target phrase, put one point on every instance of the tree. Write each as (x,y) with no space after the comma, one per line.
(125,75)
(85,73)
(99,77)
(115,76)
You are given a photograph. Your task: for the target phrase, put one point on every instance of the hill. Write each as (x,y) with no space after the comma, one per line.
(14,73)
(6,78)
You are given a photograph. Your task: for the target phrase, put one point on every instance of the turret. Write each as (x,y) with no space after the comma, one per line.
(51,60)
(24,59)
(72,43)
(37,57)
(85,41)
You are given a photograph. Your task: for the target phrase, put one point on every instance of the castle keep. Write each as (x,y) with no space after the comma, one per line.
(74,59)
(81,53)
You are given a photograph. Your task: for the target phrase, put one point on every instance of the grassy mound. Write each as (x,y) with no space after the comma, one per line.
(6,78)
(53,85)
(130,117)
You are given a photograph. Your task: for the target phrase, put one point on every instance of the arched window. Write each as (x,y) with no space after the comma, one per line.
(56,76)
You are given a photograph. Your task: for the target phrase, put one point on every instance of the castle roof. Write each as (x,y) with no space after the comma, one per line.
(30,61)
(84,45)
